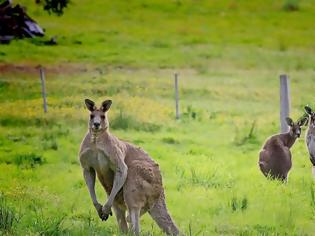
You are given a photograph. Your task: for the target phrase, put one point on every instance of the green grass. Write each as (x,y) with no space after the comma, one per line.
(228,54)
(7,216)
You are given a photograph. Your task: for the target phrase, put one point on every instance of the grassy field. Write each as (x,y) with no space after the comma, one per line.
(229,55)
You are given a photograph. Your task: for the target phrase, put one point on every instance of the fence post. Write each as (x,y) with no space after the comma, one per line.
(176,96)
(42,79)
(284,102)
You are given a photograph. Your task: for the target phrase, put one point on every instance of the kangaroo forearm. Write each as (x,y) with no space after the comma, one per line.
(119,180)
(89,176)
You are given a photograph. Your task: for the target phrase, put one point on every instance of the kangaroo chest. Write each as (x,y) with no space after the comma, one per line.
(100,160)
(311,143)
(96,157)
(311,146)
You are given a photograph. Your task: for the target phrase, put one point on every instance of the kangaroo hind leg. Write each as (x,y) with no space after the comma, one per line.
(121,219)
(134,214)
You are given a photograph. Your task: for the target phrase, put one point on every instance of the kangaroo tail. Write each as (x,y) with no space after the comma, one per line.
(161,216)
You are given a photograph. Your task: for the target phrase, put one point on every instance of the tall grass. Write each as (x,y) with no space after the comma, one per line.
(7,216)
(28,160)
(126,122)
(51,226)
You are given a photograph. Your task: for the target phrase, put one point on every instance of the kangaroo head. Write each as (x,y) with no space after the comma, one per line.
(98,117)
(295,128)
(311,115)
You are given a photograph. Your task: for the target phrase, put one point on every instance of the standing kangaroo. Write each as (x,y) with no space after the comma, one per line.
(275,156)
(310,136)
(131,179)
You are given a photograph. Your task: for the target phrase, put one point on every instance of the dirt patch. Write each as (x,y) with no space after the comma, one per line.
(34,69)
(76,68)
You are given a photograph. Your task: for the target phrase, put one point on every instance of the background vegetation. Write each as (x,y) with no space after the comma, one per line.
(229,55)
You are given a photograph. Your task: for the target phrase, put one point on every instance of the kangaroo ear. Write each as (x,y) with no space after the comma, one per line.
(303,120)
(308,110)
(289,121)
(106,105)
(305,123)
(90,105)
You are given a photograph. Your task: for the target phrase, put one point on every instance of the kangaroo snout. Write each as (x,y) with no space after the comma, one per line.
(97,125)
(298,134)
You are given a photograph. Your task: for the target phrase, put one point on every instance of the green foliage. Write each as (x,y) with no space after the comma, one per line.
(248,138)
(208,181)
(228,55)
(190,113)
(205,44)
(3,85)
(29,160)
(291,5)
(49,141)
(51,226)
(55,6)
(126,122)
(170,140)
(239,204)
(7,216)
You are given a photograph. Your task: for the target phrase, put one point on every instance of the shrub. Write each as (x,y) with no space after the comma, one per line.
(30,160)
(170,140)
(190,113)
(239,204)
(291,5)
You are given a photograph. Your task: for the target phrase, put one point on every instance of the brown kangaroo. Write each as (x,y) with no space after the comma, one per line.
(275,156)
(131,179)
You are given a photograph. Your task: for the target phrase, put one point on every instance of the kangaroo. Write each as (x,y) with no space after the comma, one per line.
(131,179)
(275,156)
(310,136)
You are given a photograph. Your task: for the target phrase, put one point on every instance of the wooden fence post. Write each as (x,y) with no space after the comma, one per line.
(284,102)
(176,96)
(42,79)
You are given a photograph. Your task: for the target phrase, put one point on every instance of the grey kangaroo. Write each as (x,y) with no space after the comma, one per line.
(275,156)
(131,179)
(310,136)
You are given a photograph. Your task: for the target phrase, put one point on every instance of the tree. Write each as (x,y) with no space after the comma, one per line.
(54,6)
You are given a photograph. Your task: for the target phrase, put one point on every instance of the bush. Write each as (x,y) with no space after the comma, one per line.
(170,140)
(239,204)
(291,5)
(30,160)
(55,6)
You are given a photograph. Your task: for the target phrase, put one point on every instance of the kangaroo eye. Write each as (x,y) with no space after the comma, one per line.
(91,116)
(102,117)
